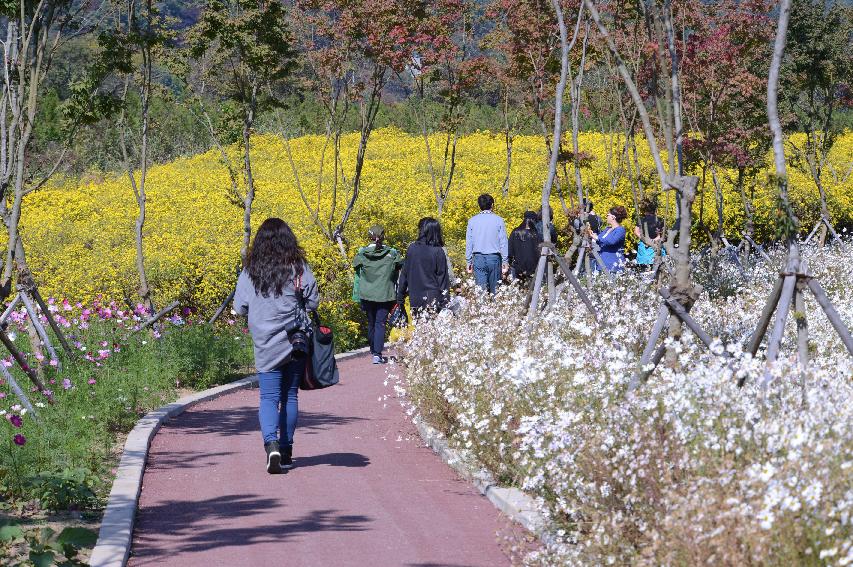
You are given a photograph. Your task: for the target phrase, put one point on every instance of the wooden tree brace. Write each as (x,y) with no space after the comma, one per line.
(19,358)
(157,317)
(567,271)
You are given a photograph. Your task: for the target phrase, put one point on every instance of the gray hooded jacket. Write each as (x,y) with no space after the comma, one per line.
(270,316)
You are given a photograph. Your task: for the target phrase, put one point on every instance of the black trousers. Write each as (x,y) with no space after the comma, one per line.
(377,317)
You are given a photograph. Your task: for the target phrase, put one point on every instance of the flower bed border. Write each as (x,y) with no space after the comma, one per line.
(514,503)
(116,532)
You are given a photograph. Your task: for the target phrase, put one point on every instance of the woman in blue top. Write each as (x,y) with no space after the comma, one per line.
(612,240)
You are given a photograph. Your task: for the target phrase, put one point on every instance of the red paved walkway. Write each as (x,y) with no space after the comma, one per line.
(365,491)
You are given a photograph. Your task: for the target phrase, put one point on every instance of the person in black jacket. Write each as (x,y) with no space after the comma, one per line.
(424,277)
(524,249)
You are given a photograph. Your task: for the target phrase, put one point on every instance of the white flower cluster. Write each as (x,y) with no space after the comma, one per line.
(691,468)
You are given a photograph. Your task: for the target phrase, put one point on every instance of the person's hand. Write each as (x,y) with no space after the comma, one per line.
(505,269)
(638,232)
(470,269)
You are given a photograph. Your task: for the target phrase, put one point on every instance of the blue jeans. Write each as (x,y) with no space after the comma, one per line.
(277,416)
(377,316)
(487,271)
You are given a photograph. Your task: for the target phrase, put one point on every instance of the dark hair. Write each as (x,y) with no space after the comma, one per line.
(619,213)
(429,232)
(530,215)
(485,201)
(527,229)
(275,258)
(587,205)
(649,204)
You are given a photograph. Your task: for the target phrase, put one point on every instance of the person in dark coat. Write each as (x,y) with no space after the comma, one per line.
(425,277)
(524,250)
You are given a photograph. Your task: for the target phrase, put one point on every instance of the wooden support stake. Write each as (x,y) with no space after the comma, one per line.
(832,231)
(691,323)
(19,358)
(42,333)
(552,291)
(157,317)
(802,324)
(642,374)
(579,263)
(567,270)
(15,301)
(757,247)
(831,313)
(781,317)
(537,284)
(52,322)
(764,319)
(813,232)
(18,391)
(222,308)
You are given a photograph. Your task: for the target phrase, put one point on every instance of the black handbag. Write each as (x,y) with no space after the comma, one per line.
(321,368)
(398,318)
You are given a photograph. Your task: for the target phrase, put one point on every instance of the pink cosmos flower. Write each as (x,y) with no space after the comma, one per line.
(20,440)
(54,362)
(39,356)
(91,381)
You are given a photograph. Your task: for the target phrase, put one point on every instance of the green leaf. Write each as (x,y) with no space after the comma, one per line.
(78,538)
(44,559)
(11,532)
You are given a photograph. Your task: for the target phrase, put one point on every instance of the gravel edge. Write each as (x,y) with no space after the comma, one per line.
(516,504)
(116,533)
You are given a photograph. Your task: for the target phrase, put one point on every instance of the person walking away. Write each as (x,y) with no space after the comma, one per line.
(524,249)
(652,226)
(377,267)
(425,276)
(612,241)
(486,247)
(593,219)
(267,291)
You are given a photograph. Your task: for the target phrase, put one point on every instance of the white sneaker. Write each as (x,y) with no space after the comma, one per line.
(377,359)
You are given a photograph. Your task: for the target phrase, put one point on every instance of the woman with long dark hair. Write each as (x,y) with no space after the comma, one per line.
(524,250)
(425,276)
(267,291)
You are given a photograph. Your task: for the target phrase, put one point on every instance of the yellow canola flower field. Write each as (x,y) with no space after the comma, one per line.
(79,234)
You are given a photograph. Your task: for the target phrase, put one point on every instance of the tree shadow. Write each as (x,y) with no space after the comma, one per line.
(221,522)
(239,421)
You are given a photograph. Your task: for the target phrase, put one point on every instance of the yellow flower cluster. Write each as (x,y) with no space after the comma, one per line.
(79,233)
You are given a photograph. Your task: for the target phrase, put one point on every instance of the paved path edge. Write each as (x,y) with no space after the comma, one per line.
(514,503)
(116,532)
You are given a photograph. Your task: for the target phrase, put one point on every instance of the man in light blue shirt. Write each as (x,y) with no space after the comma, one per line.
(486,248)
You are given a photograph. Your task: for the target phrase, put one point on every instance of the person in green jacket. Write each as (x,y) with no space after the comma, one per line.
(376,269)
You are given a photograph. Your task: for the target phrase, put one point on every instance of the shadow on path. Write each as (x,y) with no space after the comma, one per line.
(332,459)
(244,420)
(202,525)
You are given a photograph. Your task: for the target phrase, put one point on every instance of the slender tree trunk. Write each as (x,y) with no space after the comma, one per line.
(249,197)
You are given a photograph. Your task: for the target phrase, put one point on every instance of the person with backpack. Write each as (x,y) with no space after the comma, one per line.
(377,267)
(268,291)
(425,276)
(524,249)
(651,227)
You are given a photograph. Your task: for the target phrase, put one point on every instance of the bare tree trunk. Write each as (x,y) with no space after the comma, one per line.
(552,164)
(249,196)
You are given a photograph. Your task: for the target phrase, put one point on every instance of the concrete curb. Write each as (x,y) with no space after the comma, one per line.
(116,533)
(512,502)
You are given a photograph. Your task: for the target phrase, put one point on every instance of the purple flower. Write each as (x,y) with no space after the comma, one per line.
(66,383)
(91,381)
(20,439)
(16,420)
